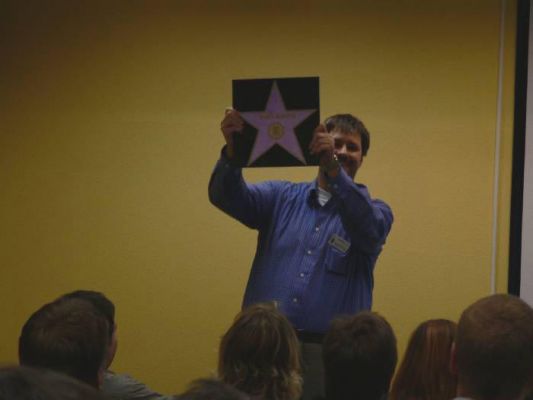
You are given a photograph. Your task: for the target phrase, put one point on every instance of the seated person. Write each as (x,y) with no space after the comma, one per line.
(259,354)
(493,350)
(24,383)
(116,386)
(67,336)
(359,357)
(424,373)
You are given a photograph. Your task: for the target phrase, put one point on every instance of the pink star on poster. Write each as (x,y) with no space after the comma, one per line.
(275,125)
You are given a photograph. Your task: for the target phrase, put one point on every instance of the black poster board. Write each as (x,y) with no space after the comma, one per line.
(280,116)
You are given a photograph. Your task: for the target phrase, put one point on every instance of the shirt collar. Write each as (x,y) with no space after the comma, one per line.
(312,194)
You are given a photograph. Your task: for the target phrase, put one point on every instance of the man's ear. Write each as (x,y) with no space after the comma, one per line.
(112,348)
(453,360)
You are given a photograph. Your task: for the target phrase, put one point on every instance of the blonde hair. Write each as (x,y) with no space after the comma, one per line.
(260,355)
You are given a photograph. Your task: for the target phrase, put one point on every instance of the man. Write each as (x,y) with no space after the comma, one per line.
(318,241)
(359,357)
(493,351)
(115,386)
(66,336)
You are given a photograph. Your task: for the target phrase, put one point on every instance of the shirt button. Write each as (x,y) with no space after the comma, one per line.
(295,300)
(309,252)
(302,274)
(317,229)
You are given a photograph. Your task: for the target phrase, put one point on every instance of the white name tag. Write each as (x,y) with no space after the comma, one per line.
(339,243)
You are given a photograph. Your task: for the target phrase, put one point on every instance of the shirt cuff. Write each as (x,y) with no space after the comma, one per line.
(338,182)
(225,161)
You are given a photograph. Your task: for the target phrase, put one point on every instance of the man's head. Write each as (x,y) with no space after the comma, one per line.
(493,352)
(359,357)
(352,141)
(68,336)
(105,307)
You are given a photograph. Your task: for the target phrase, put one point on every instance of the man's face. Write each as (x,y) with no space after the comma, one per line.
(349,151)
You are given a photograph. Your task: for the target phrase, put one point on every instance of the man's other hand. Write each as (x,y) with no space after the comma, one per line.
(231,123)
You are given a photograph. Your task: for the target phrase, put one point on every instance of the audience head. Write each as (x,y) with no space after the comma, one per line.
(359,357)
(23,383)
(68,336)
(424,373)
(493,353)
(259,354)
(211,389)
(105,307)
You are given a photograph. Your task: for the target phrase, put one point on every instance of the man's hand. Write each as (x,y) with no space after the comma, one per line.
(231,124)
(322,145)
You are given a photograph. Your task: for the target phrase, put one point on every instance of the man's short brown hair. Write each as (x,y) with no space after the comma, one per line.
(494,347)
(359,357)
(68,336)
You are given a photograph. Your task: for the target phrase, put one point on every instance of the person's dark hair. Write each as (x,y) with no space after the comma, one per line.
(359,355)
(102,304)
(67,335)
(347,123)
(211,389)
(494,348)
(23,383)
(424,373)
(259,354)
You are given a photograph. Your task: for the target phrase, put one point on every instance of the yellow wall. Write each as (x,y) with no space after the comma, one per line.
(109,115)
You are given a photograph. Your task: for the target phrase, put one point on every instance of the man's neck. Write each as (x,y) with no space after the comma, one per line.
(322,182)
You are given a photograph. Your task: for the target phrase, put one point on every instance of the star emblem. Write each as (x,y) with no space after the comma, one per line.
(275,125)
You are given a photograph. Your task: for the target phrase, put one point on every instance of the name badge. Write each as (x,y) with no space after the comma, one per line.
(339,243)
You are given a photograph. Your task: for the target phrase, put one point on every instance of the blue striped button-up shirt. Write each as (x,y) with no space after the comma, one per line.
(315,261)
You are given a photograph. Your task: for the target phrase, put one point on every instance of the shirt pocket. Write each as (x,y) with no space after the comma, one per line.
(336,261)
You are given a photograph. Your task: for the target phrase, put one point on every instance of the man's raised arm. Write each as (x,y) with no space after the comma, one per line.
(250,204)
